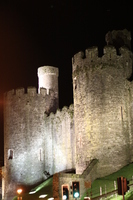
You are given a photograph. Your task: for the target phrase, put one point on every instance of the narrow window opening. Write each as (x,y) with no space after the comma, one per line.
(10,154)
(75,83)
(47,91)
(121,113)
(40,155)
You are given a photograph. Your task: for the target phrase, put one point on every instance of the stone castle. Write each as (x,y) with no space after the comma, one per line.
(94,136)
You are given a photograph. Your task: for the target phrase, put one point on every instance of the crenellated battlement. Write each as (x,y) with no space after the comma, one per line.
(90,57)
(91,53)
(46,98)
(60,113)
(31,91)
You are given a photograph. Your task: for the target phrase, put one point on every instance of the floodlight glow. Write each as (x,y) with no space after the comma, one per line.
(19,191)
(43,196)
(64,197)
(32,192)
(51,198)
(76,194)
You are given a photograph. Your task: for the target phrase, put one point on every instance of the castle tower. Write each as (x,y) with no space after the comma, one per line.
(24,131)
(102,103)
(119,38)
(48,79)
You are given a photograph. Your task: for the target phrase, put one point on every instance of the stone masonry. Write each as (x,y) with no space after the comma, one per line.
(93,136)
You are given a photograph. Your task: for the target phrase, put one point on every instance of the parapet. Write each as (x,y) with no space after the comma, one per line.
(124,51)
(61,113)
(48,70)
(110,55)
(48,100)
(20,91)
(109,50)
(91,54)
(31,91)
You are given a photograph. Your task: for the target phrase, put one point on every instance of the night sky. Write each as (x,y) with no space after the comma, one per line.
(50,32)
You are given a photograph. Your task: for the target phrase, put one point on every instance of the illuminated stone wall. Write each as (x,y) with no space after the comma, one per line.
(102,109)
(24,135)
(93,134)
(24,131)
(39,143)
(59,141)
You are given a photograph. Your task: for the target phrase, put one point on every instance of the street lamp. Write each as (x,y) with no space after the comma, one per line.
(19,191)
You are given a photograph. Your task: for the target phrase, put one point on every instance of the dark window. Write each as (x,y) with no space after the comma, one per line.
(10,154)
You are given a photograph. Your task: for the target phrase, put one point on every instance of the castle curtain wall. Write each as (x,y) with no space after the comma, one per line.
(60,141)
(101,109)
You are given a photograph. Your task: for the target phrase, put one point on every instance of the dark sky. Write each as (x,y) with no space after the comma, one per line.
(50,32)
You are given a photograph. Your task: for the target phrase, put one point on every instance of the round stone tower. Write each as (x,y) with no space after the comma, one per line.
(24,134)
(102,103)
(48,79)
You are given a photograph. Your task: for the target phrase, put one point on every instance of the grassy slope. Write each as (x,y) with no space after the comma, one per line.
(107,183)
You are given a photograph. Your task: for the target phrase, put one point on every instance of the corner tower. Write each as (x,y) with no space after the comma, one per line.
(102,102)
(24,131)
